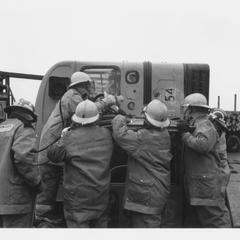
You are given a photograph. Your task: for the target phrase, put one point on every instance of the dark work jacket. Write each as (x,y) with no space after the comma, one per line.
(202,164)
(18,170)
(148,178)
(50,133)
(222,152)
(54,125)
(87,153)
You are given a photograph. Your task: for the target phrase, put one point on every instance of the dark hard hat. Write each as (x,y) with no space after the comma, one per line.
(23,106)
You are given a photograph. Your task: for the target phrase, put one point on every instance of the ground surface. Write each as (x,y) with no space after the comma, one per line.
(233,189)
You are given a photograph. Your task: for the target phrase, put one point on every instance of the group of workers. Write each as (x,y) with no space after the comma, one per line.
(73,144)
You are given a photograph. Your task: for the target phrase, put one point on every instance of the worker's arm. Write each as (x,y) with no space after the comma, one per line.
(127,139)
(24,155)
(108,101)
(202,139)
(57,152)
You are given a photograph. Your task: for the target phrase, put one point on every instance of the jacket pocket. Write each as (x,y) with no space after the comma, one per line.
(204,186)
(139,190)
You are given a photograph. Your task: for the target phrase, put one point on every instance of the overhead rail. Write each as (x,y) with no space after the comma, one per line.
(4,75)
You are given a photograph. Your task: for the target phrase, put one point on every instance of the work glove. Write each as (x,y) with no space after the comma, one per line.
(183,126)
(64,131)
(110,100)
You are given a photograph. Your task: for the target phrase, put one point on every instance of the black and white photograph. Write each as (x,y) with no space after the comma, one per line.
(120,116)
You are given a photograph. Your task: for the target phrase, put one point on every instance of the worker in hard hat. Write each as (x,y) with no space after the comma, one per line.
(86,150)
(202,169)
(218,118)
(78,90)
(19,175)
(148,179)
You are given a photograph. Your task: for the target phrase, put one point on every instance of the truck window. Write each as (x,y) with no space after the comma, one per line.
(105,79)
(57,86)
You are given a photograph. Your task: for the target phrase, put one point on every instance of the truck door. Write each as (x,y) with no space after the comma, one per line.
(119,78)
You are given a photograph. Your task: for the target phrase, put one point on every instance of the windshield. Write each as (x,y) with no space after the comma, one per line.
(104,80)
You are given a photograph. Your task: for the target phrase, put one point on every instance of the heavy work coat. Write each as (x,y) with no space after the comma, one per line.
(59,119)
(63,110)
(18,170)
(148,178)
(51,131)
(202,164)
(222,151)
(87,153)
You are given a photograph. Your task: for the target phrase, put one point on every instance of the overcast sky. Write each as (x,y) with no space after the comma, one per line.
(37,34)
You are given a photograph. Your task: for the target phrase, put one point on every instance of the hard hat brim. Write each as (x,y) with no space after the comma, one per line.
(84,121)
(195,105)
(200,106)
(76,83)
(158,124)
(13,108)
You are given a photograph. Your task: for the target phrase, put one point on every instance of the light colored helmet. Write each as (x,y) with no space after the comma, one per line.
(86,113)
(156,114)
(23,106)
(220,116)
(195,100)
(79,77)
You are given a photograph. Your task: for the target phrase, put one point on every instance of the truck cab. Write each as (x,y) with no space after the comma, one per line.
(139,83)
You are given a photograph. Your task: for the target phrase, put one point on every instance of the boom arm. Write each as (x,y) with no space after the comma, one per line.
(6,95)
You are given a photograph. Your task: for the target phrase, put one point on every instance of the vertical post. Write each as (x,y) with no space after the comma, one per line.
(218,103)
(235,102)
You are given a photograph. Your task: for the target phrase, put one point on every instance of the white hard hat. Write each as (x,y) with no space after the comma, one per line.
(85,113)
(195,100)
(156,114)
(79,77)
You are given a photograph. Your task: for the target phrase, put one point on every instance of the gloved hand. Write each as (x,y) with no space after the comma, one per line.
(110,100)
(114,108)
(64,131)
(183,126)
(119,99)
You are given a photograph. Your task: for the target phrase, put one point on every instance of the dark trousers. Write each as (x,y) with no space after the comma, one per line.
(48,212)
(51,177)
(213,216)
(16,220)
(74,222)
(207,217)
(141,220)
